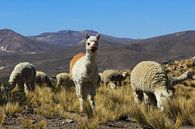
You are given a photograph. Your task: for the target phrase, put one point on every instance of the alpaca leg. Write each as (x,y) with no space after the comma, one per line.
(30,86)
(120,83)
(21,87)
(80,96)
(48,82)
(116,83)
(146,99)
(159,100)
(91,102)
(58,84)
(22,93)
(112,85)
(138,96)
(150,99)
(81,100)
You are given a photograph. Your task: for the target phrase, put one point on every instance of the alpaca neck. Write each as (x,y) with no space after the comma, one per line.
(90,58)
(182,77)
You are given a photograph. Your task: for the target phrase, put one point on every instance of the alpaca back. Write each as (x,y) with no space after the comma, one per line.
(148,75)
(23,72)
(74,60)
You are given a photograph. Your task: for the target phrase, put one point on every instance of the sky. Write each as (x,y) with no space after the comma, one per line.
(121,18)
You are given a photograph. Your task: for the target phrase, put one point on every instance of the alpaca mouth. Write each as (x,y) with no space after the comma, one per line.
(93,49)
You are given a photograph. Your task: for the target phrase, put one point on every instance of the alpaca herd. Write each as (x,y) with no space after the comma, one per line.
(149,81)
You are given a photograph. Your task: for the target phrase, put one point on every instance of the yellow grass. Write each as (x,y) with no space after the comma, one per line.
(2,117)
(11,108)
(28,124)
(111,104)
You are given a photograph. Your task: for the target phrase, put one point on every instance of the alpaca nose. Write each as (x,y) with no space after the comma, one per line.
(93,48)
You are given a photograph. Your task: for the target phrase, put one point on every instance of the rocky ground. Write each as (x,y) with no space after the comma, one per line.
(23,121)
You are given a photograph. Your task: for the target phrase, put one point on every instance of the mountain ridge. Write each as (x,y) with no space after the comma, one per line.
(111,54)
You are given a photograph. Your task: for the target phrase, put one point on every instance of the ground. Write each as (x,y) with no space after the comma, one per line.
(15,122)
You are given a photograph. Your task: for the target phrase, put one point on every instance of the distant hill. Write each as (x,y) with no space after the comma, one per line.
(70,37)
(166,47)
(55,49)
(12,42)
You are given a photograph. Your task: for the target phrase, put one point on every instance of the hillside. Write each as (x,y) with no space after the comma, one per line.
(12,42)
(70,37)
(114,53)
(171,46)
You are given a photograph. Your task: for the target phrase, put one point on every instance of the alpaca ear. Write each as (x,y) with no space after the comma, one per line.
(98,36)
(86,36)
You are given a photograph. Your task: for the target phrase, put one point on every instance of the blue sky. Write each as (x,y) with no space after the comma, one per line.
(122,18)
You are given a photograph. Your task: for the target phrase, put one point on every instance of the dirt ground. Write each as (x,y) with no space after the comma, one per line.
(17,121)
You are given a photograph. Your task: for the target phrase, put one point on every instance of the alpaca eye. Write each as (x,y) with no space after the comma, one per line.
(88,44)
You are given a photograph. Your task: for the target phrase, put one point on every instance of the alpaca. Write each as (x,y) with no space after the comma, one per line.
(84,72)
(113,77)
(42,78)
(23,73)
(63,79)
(151,83)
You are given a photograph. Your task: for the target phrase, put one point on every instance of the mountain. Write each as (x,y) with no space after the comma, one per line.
(11,42)
(166,47)
(113,53)
(70,37)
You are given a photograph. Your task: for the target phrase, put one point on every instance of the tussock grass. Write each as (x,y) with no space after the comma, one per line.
(11,108)
(28,124)
(2,117)
(111,104)
(151,117)
(181,107)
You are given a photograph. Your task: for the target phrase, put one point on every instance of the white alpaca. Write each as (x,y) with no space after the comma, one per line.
(113,77)
(23,73)
(84,72)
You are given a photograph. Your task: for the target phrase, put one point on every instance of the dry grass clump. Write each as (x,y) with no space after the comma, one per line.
(68,99)
(151,117)
(113,104)
(181,107)
(28,124)
(2,117)
(50,103)
(11,108)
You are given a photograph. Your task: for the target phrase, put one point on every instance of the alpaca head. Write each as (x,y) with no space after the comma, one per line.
(92,43)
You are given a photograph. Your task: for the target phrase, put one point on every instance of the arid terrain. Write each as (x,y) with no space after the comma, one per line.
(115,108)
